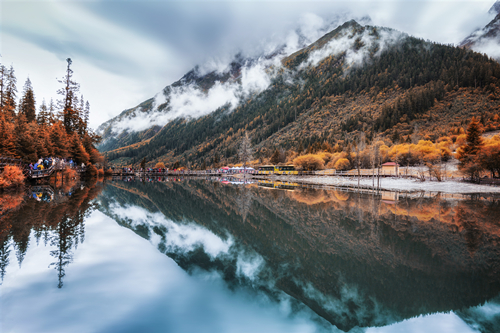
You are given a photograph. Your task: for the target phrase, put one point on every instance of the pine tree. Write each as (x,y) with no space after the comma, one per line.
(275,158)
(473,139)
(68,109)
(24,142)
(43,115)
(36,133)
(9,103)
(3,79)
(53,117)
(58,140)
(468,153)
(77,151)
(86,114)
(27,105)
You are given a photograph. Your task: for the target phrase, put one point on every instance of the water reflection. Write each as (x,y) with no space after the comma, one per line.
(355,259)
(261,257)
(54,215)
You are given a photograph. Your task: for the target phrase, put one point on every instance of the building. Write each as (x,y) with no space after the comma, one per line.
(390,168)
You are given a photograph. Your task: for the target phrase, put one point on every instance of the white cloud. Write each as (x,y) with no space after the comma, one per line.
(192,102)
(186,237)
(346,44)
(124,51)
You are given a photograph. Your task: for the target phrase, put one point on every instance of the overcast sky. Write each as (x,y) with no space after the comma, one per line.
(124,52)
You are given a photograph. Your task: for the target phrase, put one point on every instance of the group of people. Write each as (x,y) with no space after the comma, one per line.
(48,162)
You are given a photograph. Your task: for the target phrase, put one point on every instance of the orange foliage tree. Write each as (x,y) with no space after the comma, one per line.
(309,162)
(12,176)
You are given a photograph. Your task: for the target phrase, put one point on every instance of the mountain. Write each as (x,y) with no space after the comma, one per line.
(354,78)
(495,9)
(487,39)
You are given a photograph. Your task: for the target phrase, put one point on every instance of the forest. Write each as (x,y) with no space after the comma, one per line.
(57,129)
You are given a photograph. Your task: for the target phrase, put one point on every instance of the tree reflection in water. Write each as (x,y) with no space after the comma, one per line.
(356,259)
(58,221)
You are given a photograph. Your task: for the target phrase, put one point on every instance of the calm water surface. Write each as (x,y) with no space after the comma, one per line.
(212,256)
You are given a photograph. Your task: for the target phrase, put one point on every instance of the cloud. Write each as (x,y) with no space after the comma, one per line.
(490,46)
(183,237)
(346,44)
(127,50)
(189,101)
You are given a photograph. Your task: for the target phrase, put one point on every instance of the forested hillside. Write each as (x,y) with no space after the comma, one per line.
(384,83)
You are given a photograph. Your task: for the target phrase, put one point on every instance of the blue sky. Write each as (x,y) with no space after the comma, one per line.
(126,51)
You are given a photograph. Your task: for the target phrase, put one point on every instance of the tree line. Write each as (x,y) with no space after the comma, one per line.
(58,129)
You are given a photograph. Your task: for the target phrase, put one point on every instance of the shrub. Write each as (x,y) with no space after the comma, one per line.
(91,171)
(12,176)
(327,157)
(160,165)
(309,162)
(108,172)
(342,164)
(100,172)
(69,173)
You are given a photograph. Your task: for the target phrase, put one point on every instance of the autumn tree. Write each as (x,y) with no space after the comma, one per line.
(59,140)
(468,153)
(24,142)
(77,151)
(7,137)
(309,162)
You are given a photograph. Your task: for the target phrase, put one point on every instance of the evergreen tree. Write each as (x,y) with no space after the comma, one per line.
(38,142)
(275,158)
(9,103)
(58,140)
(77,151)
(27,105)
(43,114)
(4,256)
(53,117)
(70,117)
(468,153)
(3,79)
(24,142)
(86,114)
(473,139)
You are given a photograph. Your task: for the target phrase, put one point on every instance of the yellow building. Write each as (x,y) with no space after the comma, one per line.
(390,168)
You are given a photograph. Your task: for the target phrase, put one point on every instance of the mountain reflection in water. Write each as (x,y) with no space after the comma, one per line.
(347,259)
(354,259)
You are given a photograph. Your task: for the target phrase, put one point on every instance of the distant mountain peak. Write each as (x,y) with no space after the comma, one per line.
(487,39)
(495,9)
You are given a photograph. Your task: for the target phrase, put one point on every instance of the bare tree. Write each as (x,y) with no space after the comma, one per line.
(360,146)
(245,153)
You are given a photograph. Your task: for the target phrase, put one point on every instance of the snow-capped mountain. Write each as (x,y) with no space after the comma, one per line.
(487,39)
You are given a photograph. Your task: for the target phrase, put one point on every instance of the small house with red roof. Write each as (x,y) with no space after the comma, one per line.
(390,168)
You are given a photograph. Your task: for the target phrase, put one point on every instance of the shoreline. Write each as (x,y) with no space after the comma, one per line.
(389,184)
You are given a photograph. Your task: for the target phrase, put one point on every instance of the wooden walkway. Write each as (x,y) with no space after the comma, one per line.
(35,174)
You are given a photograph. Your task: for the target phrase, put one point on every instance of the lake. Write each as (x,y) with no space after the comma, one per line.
(218,255)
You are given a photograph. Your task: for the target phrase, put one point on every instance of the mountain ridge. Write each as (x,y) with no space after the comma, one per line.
(302,88)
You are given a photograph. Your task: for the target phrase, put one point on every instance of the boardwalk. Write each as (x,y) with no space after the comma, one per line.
(36,174)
